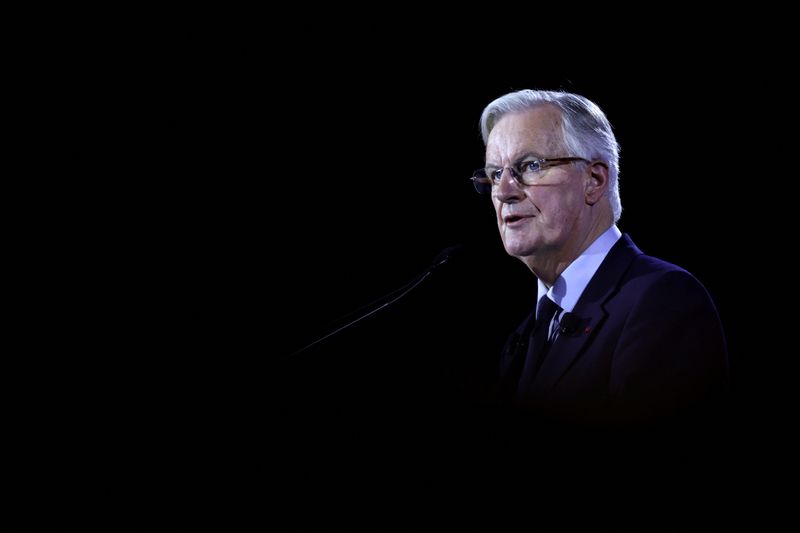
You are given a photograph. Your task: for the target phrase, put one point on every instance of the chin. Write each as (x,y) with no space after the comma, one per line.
(519,249)
(527,245)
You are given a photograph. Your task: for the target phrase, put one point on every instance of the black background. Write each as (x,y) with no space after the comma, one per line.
(315,196)
(238,182)
(285,190)
(310,202)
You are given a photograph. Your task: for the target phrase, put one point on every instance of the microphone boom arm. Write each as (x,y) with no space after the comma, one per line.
(445,256)
(362,317)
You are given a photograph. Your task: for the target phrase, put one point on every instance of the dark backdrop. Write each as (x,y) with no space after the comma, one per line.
(310,196)
(309,202)
(269,178)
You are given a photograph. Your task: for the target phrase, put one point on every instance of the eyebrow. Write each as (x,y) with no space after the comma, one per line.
(518,160)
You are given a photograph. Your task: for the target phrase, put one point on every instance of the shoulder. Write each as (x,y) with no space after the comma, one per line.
(642,285)
(652,270)
(660,295)
(650,276)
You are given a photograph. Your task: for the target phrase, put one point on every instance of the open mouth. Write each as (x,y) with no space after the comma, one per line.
(513,219)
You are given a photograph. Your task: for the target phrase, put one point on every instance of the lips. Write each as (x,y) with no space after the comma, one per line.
(512,219)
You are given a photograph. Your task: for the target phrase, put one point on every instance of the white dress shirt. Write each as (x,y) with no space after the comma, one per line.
(569,286)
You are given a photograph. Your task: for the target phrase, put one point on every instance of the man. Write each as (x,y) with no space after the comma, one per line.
(616,336)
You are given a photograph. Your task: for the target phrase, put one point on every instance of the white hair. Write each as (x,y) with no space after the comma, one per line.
(586,131)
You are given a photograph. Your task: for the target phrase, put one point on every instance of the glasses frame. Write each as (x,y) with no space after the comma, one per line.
(484,184)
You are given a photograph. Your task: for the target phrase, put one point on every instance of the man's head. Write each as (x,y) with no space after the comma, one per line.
(551,165)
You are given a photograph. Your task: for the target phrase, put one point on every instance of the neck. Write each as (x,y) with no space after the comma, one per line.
(547,266)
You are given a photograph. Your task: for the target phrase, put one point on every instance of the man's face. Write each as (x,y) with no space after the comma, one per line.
(544,218)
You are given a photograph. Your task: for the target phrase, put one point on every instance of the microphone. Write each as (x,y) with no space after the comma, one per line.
(568,324)
(444,257)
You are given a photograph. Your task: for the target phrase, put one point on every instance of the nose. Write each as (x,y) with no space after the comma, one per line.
(508,190)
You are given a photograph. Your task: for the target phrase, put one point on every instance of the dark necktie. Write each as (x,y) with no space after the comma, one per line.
(539,342)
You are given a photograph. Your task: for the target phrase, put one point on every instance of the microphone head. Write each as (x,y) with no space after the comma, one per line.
(447,254)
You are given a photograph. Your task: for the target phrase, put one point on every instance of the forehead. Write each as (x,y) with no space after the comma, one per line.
(536,130)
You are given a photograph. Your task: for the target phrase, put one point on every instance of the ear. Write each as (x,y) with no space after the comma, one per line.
(596,182)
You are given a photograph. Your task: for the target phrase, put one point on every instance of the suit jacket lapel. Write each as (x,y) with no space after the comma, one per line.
(591,314)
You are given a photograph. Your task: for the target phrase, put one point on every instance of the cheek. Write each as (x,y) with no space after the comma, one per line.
(560,207)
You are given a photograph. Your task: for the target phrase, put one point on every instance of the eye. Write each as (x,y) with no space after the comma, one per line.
(496,174)
(530,166)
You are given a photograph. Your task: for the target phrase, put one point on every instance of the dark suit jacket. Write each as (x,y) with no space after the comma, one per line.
(648,345)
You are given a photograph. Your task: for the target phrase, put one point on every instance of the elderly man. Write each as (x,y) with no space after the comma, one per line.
(615,336)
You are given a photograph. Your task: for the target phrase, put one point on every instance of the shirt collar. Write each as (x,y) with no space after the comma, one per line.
(569,286)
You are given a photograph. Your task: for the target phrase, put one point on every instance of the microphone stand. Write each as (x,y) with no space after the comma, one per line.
(440,260)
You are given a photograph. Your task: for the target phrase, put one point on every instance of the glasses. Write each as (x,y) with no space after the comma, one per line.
(525,172)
